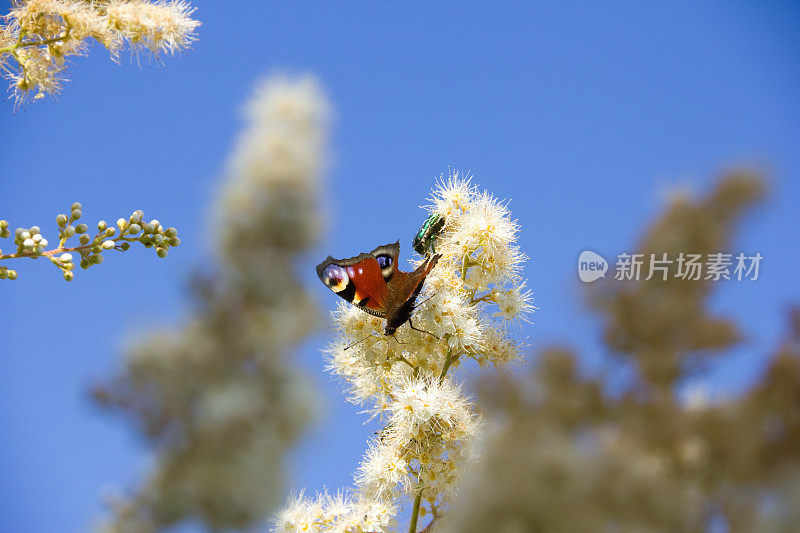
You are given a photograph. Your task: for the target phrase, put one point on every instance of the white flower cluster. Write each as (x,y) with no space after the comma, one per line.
(338,513)
(468,307)
(40,34)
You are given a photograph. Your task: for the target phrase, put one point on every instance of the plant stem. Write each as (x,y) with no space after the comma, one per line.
(415,513)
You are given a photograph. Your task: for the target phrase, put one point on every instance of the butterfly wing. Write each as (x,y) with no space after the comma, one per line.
(361,280)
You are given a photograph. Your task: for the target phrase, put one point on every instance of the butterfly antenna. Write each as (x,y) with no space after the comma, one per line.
(359,342)
(422,330)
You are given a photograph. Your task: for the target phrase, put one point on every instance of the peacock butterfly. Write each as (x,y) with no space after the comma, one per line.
(374,283)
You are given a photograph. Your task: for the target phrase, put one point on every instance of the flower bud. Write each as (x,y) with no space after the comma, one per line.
(65,258)
(81,228)
(35,230)
(76,205)
(68,275)
(134,229)
(12,274)
(108,244)
(69,231)
(76,214)
(84,240)
(161,252)
(28,244)
(110,232)
(37,238)
(121,223)
(61,220)
(102,225)
(24,235)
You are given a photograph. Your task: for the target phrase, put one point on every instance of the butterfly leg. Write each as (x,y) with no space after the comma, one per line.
(422,330)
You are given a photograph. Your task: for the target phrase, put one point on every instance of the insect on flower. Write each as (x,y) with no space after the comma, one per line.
(425,239)
(373,283)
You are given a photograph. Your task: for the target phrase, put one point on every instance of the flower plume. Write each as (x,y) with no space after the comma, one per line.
(468,308)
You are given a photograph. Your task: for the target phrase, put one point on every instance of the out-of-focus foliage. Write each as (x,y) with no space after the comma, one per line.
(574,453)
(217,396)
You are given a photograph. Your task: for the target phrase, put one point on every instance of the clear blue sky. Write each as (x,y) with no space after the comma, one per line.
(583,114)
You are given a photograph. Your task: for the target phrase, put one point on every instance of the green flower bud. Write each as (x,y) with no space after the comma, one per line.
(35,230)
(159,239)
(76,214)
(149,228)
(175,241)
(98,259)
(84,240)
(161,252)
(68,275)
(76,205)
(135,218)
(101,226)
(110,232)
(81,228)
(61,220)
(12,274)
(170,232)
(96,249)
(69,231)
(4,232)
(85,263)
(3,274)
(3,223)
(134,229)
(108,244)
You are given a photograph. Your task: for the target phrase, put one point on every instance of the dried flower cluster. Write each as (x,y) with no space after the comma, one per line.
(217,395)
(468,307)
(38,36)
(632,450)
(31,243)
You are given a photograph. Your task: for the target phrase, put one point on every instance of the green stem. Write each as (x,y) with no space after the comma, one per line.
(17,46)
(415,513)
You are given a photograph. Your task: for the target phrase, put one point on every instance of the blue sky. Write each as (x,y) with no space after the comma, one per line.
(582,114)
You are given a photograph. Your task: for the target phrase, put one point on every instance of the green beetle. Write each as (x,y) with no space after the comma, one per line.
(425,239)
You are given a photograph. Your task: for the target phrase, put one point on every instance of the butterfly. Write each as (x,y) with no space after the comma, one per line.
(374,283)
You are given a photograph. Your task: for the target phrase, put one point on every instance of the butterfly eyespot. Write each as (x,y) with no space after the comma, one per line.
(384,261)
(335,277)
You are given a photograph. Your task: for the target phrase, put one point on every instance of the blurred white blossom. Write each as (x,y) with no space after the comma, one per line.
(218,395)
